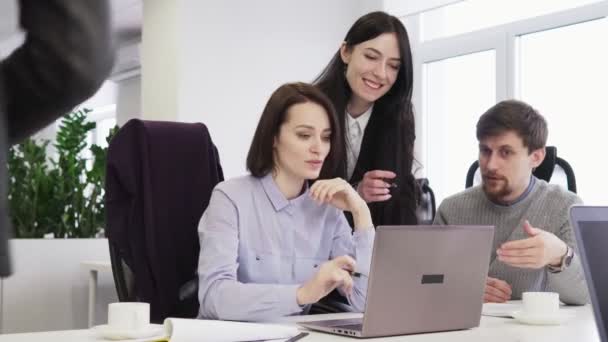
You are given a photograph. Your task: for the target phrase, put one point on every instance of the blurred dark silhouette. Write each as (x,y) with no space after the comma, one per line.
(66,56)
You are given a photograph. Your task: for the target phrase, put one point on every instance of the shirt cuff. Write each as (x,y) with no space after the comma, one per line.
(364,244)
(288,296)
(364,237)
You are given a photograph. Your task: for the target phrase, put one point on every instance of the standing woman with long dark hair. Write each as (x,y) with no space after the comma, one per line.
(369,80)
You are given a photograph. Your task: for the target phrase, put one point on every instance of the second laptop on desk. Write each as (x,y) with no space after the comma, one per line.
(422,279)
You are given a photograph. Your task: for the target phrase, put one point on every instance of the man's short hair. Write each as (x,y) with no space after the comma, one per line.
(517,116)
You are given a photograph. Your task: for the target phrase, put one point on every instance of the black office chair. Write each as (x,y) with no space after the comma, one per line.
(158,183)
(425,211)
(124,279)
(544,171)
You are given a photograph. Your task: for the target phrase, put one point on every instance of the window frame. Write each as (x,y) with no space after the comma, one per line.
(501,38)
(99,114)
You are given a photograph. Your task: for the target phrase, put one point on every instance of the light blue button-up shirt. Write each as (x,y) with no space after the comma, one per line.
(258,248)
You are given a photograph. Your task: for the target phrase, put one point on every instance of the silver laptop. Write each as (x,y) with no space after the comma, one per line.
(422,279)
(591,230)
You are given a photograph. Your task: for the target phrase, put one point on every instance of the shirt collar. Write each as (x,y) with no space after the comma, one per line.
(362,119)
(276,197)
(522,196)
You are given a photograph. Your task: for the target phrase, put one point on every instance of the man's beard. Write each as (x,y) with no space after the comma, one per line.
(496,193)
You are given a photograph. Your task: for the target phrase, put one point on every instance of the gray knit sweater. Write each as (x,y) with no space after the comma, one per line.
(546,206)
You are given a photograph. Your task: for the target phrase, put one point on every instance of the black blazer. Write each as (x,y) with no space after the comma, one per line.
(158,183)
(66,55)
(383,140)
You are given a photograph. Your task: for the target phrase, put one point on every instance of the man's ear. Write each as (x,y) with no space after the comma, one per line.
(345,53)
(537,156)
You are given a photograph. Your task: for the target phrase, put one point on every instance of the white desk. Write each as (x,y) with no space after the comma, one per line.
(94,267)
(580,329)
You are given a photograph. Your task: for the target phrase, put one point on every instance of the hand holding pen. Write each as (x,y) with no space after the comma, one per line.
(376,185)
(358,275)
(335,273)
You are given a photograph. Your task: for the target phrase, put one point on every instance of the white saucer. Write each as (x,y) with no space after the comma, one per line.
(109,333)
(555,319)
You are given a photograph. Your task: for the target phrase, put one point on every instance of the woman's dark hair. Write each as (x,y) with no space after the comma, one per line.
(260,159)
(390,135)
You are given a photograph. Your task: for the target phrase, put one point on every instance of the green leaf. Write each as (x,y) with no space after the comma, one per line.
(61,194)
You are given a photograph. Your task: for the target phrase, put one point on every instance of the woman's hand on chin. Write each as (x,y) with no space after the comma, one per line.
(338,193)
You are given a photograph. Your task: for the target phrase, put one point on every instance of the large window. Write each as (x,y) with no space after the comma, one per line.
(452,112)
(549,53)
(105,120)
(472,15)
(563,73)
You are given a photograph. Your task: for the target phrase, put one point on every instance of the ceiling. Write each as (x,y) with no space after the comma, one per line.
(127,17)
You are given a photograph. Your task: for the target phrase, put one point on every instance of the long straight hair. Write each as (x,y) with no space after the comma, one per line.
(391,129)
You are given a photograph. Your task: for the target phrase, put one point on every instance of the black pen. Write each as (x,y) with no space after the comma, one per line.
(357,274)
(390,184)
(297,337)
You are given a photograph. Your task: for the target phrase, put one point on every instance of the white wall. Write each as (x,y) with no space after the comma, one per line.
(49,287)
(365,6)
(161,45)
(237,58)
(10,43)
(128,101)
(403,7)
(8,21)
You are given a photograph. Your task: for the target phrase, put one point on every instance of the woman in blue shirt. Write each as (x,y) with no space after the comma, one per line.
(272,243)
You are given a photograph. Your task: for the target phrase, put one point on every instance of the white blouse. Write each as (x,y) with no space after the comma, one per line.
(355,128)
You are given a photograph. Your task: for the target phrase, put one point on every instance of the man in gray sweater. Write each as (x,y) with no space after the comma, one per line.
(534,247)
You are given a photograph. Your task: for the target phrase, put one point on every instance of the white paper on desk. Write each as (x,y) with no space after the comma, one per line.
(197,330)
(500,309)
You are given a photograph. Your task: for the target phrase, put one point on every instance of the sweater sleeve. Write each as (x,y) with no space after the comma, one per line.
(441,216)
(570,283)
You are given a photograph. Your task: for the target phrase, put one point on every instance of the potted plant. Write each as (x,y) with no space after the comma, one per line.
(57,195)
(62,195)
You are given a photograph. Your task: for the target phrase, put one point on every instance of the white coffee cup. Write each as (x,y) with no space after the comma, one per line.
(128,316)
(540,304)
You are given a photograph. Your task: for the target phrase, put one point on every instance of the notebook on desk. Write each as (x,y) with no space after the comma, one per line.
(422,279)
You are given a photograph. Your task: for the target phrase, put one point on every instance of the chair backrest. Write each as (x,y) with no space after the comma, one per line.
(425,211)
(159,180)
(551,166)
(123,275)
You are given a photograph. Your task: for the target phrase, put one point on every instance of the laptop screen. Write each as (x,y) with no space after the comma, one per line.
(594,236)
